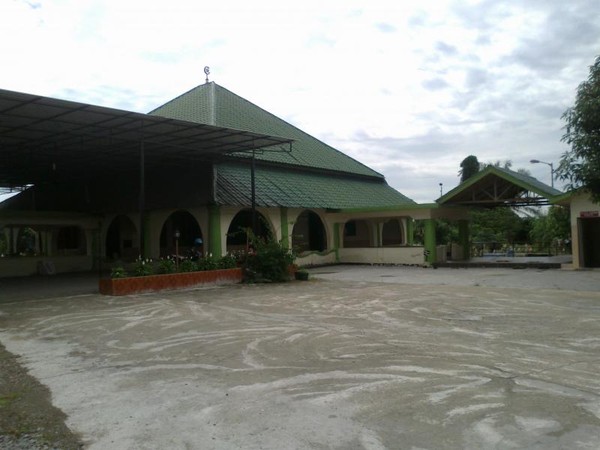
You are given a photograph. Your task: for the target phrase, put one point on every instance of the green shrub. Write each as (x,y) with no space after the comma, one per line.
(269,261)
(208,263)
(118,272)
(167,265)
(228,262)
(187,265)
(143,267)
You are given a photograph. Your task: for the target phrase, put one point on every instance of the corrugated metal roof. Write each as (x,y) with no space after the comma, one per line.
(294,189)
(42,138)
(534,184)
(212,104)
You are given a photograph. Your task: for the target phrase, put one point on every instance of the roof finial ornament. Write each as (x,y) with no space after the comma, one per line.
(207,72)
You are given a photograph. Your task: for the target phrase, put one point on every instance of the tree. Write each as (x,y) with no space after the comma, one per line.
(506,164)
(552,229)
(500,226)
(468,167)
(580,166)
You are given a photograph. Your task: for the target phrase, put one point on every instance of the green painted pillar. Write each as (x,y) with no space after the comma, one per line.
(214,228)
(147,236)
(463,238)
(410,231)
(430,250)
(285,235)
(336,240)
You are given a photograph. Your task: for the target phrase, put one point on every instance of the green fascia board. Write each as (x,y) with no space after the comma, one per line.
(280,187)
(531,183)
(20,214)
(521,180)
(398,207)
(214,105)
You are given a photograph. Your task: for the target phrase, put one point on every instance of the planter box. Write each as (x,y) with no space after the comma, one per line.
(154,283)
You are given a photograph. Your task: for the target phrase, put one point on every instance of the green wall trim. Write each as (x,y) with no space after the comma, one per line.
(316,252)
(214,228)
(336,240)
(399,208)
(430,243)
(285,238)
(147,235)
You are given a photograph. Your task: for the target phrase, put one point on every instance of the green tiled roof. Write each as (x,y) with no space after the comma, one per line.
(295,189)
(533,184)
(214,105)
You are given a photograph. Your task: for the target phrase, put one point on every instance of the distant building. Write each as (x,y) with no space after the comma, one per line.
(585,228)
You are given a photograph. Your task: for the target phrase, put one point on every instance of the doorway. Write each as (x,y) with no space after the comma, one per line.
(589,232)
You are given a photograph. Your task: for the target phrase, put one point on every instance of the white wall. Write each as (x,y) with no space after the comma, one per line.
(383,255)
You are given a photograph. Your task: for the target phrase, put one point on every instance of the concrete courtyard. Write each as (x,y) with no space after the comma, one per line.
(357,358)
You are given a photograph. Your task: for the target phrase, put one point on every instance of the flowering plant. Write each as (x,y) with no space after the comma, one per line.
(118,272)
(268,260)
(167,265)
(143,267)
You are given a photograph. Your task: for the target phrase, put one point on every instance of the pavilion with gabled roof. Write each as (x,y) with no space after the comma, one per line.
(496,186)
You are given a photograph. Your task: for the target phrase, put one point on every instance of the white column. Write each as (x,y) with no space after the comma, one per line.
(404,231)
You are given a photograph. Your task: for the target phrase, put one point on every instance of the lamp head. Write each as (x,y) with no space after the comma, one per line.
(534,161)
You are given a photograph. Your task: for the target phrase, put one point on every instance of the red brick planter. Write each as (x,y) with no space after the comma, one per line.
(153,283)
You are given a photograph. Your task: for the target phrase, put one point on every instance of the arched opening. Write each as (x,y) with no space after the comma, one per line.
(356,234)
(28,243)
(122,241)
(309,233)
(237,238)
(190,234)
(391,234)
(4,243)
(70,240)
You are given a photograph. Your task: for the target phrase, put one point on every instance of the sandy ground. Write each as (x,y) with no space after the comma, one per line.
(357,358)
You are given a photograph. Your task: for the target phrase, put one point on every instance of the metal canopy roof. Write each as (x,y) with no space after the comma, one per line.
(43,138)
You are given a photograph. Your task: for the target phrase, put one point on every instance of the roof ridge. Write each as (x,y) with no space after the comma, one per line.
(179,97)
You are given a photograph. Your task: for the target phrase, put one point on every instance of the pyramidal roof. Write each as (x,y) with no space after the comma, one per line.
(212,104)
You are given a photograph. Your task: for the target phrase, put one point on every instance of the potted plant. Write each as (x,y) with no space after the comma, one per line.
(301,275)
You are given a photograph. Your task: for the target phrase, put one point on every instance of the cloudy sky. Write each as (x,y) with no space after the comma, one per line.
(407,87)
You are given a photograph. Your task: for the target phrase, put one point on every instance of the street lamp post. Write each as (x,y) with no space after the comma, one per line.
(537,161)
(177,235)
